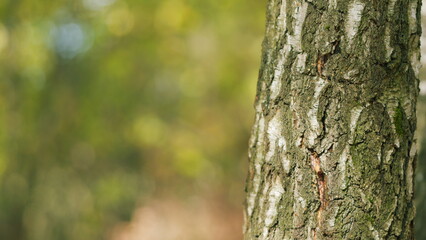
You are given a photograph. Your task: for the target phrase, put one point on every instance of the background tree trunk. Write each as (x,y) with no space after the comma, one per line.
(332,153)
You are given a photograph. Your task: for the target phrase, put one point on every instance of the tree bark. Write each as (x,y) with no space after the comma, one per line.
(332,151)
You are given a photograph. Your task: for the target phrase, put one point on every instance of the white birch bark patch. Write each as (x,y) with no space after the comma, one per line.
(353,20)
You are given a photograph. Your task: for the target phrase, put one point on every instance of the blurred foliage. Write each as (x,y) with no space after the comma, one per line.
(107,103)
(420,194)
(420,179)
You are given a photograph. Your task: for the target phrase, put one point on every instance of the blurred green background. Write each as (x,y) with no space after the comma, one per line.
(129,119)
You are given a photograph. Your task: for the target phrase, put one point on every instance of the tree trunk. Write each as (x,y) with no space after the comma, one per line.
(332,152)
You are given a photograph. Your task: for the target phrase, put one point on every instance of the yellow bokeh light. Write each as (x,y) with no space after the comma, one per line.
(120,21)
(190,162)
(171,15)
(148,130)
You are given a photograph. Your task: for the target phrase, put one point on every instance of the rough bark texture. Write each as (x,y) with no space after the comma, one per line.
(332,153)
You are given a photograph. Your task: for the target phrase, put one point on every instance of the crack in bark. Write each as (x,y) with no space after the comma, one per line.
(321,186)
(323,58)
